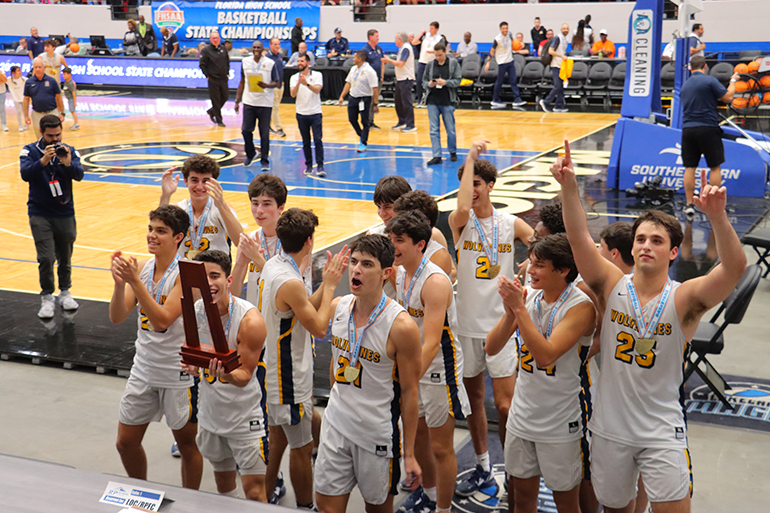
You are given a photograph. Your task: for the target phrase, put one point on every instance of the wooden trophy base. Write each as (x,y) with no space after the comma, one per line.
(201,358)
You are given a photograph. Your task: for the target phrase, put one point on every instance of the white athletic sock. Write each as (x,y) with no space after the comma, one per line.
(430,492)
(441,510)
(231,493)
(483,460)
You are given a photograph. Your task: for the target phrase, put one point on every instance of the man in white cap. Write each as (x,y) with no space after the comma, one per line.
(604,47)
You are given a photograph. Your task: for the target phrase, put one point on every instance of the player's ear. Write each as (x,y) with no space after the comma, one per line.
(387,272)
(673,254)
(179,237)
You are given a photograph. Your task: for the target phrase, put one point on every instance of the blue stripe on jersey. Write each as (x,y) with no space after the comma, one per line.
(586,409)
(192,396)
(296,413)
(261,377)
(685,359)
(395,473)
(395,414)
(285,370)
(449,352)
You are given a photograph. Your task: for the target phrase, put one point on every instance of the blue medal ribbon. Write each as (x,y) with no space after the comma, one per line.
(352,328)
(195,238)
(170,269)
(491,252)
(266,250)
(644,329)
(559,302)
(406,296)
(229,317)
(288,258)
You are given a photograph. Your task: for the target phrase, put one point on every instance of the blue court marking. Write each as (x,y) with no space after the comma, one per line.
(35,262)
(350,175)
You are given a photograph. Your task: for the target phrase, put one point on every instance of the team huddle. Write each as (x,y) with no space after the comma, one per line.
(585,347)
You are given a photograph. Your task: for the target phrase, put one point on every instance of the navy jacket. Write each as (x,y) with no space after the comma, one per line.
(41,201)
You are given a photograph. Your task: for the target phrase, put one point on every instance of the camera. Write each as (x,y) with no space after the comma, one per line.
(651,192)
(60,149)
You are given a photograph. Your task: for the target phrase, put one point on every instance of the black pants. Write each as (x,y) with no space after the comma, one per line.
(404,107)
(353,112)
(418,76)
(371,111)
(218,93)
(557,93)
(252,115)
(54,238)
(306,123)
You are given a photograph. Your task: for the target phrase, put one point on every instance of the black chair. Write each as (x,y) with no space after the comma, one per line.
(617,81)
(470,70)
(472,57)
(598,81)
(321,61)
(759,239)
(722,71)
(577,80)
(748,55)
(389,81)
(529,79)
(546,82)
(520,60)
(708,338)
(667,79)
(486,81)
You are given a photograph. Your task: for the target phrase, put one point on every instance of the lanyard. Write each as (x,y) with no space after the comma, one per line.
(195,238)
(562,298)
(288,258)
(490,251)
(266,250)
(352,335)
(406,296)
(229,317)
(644,329)
(170,269)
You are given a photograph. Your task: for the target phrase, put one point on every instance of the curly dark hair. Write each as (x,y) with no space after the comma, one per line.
(418,200)
(295,227)
(200,164)
(484,169)
(268,185)
(552,219)
(215,256)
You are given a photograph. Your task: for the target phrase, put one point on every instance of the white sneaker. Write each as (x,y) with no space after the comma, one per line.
(498,105)
(22,128)
(75,127)
(47,307)
(5,128)
(66,300)
(562,109)
(519,103)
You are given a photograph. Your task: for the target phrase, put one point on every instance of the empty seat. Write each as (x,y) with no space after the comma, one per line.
(667,79)
(321,61)
(722,71)
(598,82)
(530,77)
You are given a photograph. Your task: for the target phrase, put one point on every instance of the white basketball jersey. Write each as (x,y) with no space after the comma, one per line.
(447,366)
(640,399)
(225,409)
(214,232)
(378,230)
(157,352)
(479,306)
(288,346)
(366,411)
(432,248)
(547,405)
(252,278)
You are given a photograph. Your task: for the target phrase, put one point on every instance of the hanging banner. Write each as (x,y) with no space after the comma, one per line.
(641,96)
(193,22)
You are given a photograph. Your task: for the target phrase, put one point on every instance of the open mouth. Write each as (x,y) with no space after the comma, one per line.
(355,283)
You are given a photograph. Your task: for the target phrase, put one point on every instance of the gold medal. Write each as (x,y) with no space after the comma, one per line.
(494,270)
(150,326)
(191,254)
(351,373)
(644,345)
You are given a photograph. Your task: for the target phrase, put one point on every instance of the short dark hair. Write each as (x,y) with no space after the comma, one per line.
(389,189)
(268,185)
(303,56)
(696,26)
(371,32)
(439,46)
(49,121)
(503,23)
(67,70)
(557,250)
(361,55)
(482,168)
(697,62)
(658,218)
(413,224)
(551,216)
(14,68)
(215,256)
(294,228)
(378,246)
(537,17)
(434,24)
(418,200)
(174,217)
(619,236)
(202,164)
(52,42)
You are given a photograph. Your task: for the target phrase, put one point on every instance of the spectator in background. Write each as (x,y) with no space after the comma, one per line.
(306,88)
(404,63)
(441,79)
(416,45)
(539,34)
(363,84)
(74,41)
(446,43)
(22,48)
(544,42)
(16,86)
(558,52)
(524,46)
(579,46)
(70,90)
(231,52)
(374,55)
(696,45)
(44,93)
(588,31)
(337,45)
(302,50)
(275,55)
(148,42)
(215,64)
(297,36)
(52,60)
(502,52)
(35,44)
(131,40)
(427,43)
(604,48)
(466,47)
(170,43)
(3,81)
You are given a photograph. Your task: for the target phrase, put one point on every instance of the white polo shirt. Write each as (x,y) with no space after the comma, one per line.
(406,54)
(252,72)
(308,102)
(503,46)
(428,43)
(362,80)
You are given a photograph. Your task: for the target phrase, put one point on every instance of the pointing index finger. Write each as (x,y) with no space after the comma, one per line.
(567,155)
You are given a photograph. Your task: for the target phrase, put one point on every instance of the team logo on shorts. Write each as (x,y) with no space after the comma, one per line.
(494,498)
(156,157)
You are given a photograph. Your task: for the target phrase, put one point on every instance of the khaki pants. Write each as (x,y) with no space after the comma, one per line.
(36,117)
(275,119)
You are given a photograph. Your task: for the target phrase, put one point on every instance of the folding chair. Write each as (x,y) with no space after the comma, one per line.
(759,239)
(708,338)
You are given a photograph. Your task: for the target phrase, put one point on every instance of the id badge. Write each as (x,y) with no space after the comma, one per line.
(55,188)
(361,106)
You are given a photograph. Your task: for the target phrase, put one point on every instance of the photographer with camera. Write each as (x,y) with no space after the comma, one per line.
(49,166)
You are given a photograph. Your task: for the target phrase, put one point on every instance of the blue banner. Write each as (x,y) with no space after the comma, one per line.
(128,71)
(641,96)
(193,22)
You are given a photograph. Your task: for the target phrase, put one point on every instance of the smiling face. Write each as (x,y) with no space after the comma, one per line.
(275,45)
(481,191)
(652,247)
(385,211)
(565,29)
(160,238)
(366,274)
(504,29)
(543,275)
(407,251)
(196,184)
(214,38)
(257,49)
(266,211)
(219,282)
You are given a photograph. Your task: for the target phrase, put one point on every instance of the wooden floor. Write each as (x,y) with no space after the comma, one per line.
(112,216)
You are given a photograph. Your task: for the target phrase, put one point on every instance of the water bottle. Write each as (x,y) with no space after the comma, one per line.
(622,53)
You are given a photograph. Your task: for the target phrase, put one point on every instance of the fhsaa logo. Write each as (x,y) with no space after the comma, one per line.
(749,401)
(642,24)
(170,16)
(494,498)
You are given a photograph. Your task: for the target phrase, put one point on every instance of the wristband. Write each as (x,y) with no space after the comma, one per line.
(732,80)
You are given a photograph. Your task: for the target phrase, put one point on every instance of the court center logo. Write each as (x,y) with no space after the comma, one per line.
(495,498)
(156,157)
(169,16)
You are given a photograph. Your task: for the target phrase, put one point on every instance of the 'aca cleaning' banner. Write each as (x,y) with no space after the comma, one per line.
(237,20)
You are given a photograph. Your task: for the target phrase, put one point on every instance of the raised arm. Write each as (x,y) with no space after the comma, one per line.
(600,274)
(168,186)
(461,214)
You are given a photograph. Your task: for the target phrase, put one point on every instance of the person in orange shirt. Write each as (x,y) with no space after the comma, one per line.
(604,47)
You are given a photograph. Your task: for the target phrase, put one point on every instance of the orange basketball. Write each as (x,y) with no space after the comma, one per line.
(741,86)
(765,81)
(766,98)
(755,100)
(74,48)
(517,45)
(741,68)
(739,102)
(753,66)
